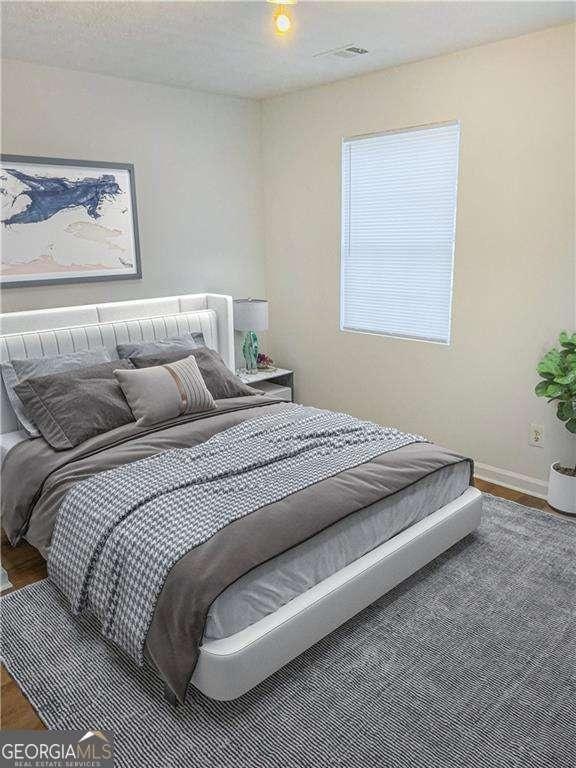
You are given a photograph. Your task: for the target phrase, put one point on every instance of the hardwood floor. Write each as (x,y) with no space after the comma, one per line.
(518,497)
(25,566)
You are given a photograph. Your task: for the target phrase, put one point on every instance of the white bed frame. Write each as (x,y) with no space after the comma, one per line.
(229,667)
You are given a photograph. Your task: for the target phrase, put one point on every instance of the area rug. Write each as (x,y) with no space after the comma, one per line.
(471,663)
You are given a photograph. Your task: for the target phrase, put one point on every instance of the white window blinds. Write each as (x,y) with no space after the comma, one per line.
(398,228)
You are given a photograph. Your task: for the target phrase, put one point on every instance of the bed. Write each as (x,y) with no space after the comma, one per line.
(357,533)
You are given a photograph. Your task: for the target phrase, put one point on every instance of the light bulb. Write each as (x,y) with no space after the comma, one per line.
(282,21)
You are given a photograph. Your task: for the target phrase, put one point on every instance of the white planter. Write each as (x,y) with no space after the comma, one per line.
(562,491)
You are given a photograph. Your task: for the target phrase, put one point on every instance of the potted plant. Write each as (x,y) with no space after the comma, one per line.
(558,371)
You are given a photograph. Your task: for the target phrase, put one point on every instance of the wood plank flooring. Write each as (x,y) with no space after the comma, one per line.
(25,566)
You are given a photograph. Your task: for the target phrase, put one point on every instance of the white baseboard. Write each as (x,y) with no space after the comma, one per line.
(513,480)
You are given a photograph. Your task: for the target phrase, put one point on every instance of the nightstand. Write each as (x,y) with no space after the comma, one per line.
(278,383)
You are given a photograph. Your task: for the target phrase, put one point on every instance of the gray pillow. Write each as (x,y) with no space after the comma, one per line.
(71,406)
(15,371)
(219,379)
(172,344)
(165,391)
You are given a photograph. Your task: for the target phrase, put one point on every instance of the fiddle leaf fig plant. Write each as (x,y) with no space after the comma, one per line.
(558,371)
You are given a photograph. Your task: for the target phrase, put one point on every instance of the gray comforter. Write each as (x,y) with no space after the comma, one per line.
(194,576)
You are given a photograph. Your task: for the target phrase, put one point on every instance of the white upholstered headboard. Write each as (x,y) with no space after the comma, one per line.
(48,332)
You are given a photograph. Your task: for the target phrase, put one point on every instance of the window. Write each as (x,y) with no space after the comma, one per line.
(398,227)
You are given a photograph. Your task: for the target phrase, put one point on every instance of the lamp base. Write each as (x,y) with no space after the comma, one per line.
(250,351)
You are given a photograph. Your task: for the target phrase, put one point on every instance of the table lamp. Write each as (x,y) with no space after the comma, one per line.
(250,315)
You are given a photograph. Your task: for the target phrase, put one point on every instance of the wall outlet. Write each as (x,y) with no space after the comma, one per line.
(536,436)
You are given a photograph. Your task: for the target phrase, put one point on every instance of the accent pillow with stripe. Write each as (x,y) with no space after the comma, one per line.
(165,391)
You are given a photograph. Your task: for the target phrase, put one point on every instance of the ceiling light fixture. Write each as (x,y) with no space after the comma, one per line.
(282,17)
(282,20)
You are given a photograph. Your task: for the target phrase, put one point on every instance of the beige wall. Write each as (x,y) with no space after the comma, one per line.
(197,166)
(514,265)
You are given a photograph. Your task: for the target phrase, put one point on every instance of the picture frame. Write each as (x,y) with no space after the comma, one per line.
(67,221)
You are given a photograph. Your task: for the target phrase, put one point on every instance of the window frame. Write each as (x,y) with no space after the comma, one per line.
(375,134)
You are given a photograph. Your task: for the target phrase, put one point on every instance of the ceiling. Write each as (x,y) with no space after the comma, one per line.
(230,47)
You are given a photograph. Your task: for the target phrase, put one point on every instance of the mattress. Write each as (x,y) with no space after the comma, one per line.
(273,584)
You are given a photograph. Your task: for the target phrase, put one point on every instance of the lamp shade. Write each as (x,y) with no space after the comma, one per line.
(250,314)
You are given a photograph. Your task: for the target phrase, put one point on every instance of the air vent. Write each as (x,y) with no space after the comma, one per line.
(348,52)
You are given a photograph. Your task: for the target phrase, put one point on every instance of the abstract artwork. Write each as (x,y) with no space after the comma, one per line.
(67,221)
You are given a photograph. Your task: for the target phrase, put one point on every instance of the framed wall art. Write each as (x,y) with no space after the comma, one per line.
(67,221)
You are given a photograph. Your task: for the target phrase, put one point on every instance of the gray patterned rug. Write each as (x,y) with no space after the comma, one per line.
(469,663)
